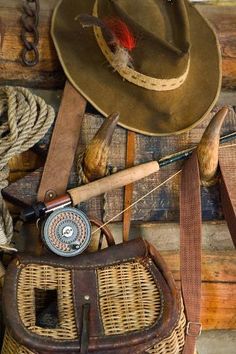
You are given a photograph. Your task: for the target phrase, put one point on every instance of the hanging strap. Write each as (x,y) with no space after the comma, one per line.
(190,250)
(190,234)
(128,196)
(63,145)
(84,343)
(227,162)
(62,149)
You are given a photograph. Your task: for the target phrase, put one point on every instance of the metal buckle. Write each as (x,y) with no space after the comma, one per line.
(195,331)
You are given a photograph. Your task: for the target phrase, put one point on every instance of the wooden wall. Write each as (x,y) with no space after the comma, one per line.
(219,267)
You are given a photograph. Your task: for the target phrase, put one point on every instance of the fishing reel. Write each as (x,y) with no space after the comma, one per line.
(66,232)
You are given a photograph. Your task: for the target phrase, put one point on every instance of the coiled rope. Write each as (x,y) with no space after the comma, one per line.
(24,120)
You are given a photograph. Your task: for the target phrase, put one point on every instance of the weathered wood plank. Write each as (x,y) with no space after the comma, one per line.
(217,266)
(218,287)
(217,342)
(48,72)
(166,236)
(224,22)
(218,306)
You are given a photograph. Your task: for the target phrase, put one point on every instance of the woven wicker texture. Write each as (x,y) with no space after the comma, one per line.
(129,298)
(175,342)
(33,279)
(129,301)
(10,346)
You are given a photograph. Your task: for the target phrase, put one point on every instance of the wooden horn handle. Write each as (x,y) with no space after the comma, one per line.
(111,182)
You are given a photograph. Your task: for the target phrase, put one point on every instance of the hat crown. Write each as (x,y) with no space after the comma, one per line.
(87,59)
(161,29)
(164,20)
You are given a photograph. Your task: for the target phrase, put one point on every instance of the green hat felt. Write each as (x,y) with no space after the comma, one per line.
(172,77)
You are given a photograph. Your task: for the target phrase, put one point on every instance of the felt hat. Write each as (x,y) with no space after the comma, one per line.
(163,75)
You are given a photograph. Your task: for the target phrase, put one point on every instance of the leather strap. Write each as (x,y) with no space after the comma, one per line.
(190,234)
(63,145)
(190,250)
(227,162)
(105,231)
(128,197)
(85,328)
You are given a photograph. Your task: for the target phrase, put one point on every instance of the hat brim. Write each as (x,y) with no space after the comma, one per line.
(141,110)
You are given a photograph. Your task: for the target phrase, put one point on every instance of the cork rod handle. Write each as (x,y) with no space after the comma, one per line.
(114,181)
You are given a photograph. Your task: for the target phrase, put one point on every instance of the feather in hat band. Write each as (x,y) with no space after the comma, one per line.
(131,75)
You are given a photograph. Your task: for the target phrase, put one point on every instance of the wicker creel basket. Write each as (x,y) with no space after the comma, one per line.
(118,300)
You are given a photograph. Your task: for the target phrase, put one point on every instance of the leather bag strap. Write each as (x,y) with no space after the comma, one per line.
(85,328)
(190,250)
(128,196)
(190,234)
(105,231)
(63,145)
(227,162)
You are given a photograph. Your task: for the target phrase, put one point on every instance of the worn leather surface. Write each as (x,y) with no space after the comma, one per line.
(63,145)
(114,255)
(227,164)
(105,230)
(85,285)
(84,278)
(128,196)
(190,249)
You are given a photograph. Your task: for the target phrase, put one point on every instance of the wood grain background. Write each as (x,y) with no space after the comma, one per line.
(219,267)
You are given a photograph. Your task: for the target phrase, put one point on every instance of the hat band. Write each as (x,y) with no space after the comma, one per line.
(131,75)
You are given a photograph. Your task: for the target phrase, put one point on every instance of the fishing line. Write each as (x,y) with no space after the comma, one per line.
(137,201)
(147,194)
(227,146)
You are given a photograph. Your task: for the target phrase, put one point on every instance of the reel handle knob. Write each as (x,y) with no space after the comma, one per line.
(33,212)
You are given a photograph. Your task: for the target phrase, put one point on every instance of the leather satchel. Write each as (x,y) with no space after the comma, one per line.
(122,299)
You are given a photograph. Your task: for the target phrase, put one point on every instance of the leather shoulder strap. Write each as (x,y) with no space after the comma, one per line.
(227,162)
(63,145)
(190,250)
(190,234)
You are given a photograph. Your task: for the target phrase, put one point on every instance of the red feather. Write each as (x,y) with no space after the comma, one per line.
(124,37)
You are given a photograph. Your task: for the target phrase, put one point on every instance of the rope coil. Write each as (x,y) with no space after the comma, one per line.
(24,120)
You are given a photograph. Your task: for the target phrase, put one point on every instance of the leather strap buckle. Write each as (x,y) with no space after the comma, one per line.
(194,329)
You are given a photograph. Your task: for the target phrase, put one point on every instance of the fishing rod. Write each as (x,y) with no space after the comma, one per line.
(66,231)
(119,179)
(184,154)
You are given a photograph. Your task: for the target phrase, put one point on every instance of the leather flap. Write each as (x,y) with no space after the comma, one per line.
(108,256)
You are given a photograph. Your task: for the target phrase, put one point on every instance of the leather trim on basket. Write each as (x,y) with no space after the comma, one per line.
(106,257)
(84,283)
(137,250)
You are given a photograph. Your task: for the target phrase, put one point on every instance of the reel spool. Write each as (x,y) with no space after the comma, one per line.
(67,232)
